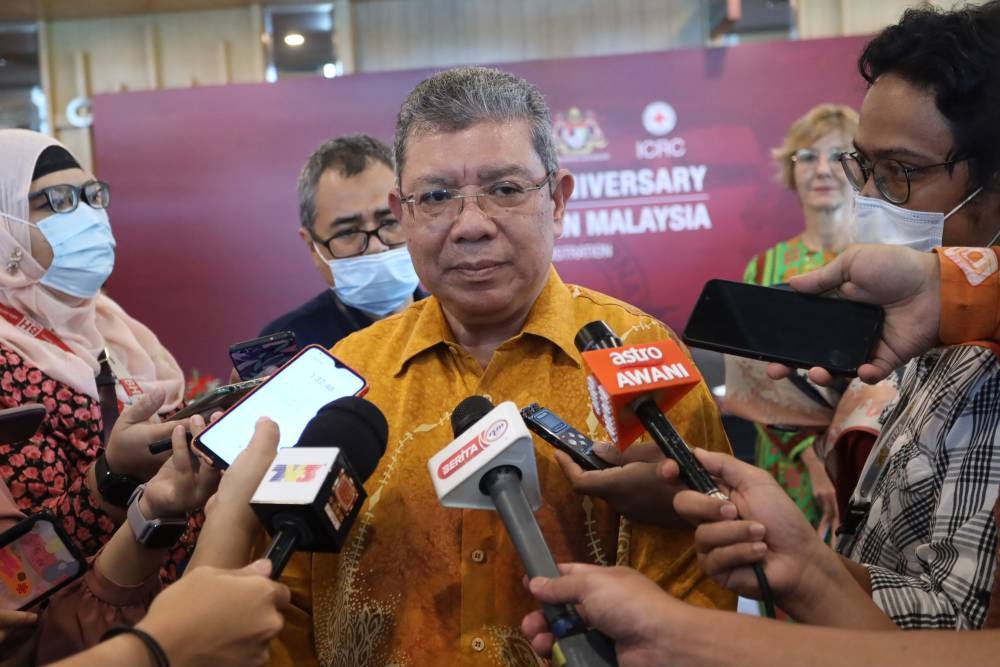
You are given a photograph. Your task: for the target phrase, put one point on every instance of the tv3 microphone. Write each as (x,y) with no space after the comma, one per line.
(312,493)
(491,465)
(632,386)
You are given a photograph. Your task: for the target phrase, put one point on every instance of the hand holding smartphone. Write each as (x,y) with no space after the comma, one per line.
(770,324)
(291,397)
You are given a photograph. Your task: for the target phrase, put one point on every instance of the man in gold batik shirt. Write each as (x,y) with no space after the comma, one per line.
(481,198)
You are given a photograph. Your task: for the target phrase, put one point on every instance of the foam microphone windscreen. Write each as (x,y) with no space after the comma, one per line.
(353,424)
(468,412)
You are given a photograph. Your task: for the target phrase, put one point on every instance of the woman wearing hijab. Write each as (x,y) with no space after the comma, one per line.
(67,347)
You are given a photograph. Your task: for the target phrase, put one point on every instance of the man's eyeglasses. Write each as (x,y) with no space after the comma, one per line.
(349,243)
(499,198)
(65,198)
(892,177)
(807,157)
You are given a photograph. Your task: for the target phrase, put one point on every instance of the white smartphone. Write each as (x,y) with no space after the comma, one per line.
(290,397)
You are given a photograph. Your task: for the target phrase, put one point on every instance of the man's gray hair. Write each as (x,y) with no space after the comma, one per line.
(348,156)
(458,98)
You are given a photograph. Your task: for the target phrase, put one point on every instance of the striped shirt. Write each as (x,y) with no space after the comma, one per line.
(930,539)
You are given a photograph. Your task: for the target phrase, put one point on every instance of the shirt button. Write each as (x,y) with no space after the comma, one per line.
(478,644)
(478,556)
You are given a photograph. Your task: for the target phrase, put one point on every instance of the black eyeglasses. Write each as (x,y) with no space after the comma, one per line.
(892,177)
(64,198)
(352,242)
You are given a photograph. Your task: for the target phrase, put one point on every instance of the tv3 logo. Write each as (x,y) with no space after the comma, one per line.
(305,472)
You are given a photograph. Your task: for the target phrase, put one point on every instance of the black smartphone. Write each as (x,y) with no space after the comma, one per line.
(262,356)
(220,398)
(19,424)
(553,430)
(769,324)
(37,558)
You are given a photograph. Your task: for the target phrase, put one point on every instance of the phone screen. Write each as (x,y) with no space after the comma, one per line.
(35,563)
(262,356)
(290,397)
(780,325)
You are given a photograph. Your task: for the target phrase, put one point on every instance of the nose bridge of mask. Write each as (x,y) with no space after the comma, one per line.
(61,228)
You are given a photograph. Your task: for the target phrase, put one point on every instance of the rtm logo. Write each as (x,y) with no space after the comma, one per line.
(305,472)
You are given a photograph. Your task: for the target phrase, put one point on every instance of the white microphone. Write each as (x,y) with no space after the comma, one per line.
(491,465)
(498,439)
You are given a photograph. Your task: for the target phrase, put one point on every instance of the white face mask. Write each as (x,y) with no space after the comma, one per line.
(83,250)
(378,284)
(878,221)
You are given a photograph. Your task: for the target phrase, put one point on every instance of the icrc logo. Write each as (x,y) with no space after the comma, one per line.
(659,118)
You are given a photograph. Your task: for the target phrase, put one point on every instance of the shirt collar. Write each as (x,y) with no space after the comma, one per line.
(551,318)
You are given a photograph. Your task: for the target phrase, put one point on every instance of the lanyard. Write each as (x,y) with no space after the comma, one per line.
(861,500)
(25,323)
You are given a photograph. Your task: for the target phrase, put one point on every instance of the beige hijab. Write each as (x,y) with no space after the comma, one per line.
(86,326)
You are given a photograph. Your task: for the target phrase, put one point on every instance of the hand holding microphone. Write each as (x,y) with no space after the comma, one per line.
(312,492)
(491,465)
(631,387)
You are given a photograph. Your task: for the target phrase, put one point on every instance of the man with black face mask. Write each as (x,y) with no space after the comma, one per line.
(355,242)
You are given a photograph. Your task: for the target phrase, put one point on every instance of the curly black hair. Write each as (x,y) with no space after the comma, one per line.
(955,55)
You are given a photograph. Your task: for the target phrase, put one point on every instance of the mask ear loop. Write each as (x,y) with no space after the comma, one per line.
(993,241)
(963,202)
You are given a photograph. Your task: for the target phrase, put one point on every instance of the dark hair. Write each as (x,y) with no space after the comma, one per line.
(53,159)
(956,56)
(458,98)
(348,156)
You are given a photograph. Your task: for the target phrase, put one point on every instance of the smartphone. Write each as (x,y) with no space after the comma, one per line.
(20,423)
(553,430)
(262,356)
(291,397)
(37,558)
(217,399)
(799,330)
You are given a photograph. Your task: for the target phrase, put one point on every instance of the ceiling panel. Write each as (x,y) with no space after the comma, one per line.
(28,10)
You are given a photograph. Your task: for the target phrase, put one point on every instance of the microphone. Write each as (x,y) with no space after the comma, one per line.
(311,495)
(630,389)
(491,465)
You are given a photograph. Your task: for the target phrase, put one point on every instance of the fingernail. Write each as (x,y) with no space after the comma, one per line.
(262,566)
(757,530)
(728,511)
(758,547)
(197,420)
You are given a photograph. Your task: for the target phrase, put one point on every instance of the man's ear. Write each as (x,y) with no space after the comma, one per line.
(396,204)
(562,190)
(318,260)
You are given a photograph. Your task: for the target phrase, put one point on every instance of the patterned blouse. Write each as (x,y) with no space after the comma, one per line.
(50,470)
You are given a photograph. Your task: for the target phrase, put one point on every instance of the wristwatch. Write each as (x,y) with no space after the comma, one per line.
(115,488)
(153,533)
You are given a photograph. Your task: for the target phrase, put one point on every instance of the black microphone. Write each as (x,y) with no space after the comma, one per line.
(599,336)
(501,479)
(313,492)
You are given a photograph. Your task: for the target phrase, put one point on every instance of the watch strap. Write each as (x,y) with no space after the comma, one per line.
(115,488)
(153,533)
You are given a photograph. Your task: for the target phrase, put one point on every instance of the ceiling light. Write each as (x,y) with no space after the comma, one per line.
(329,70)
(294,39)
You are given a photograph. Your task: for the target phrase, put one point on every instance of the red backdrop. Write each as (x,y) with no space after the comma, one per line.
(668,196)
